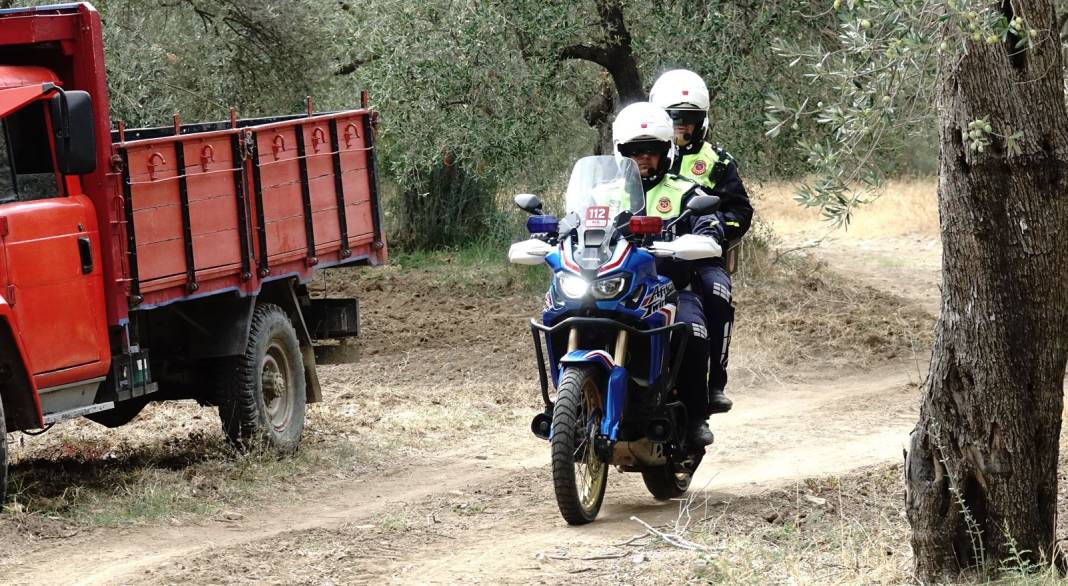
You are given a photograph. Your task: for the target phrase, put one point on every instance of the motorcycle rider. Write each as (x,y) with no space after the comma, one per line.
(684,95)
(643,133)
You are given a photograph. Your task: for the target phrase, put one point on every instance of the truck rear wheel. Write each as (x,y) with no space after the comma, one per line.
(263,393)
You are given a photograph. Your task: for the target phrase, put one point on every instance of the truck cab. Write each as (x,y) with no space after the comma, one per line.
(166,263)
(51,280)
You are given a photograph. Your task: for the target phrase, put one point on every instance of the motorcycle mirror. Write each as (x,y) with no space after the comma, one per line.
(703,204)
(529,203)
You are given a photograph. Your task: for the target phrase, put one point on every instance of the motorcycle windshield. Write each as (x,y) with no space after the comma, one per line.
(601,188)
(604,182)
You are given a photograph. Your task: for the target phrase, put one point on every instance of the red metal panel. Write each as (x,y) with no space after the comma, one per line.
(213,202)
(38,28)
(12,76)
(283,210)
(157,212)
(327,226)
(58,310)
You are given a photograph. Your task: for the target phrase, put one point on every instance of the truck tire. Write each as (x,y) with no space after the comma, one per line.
(262,392)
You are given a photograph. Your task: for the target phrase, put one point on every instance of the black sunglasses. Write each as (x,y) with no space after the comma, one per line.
(648,147)
(686,116)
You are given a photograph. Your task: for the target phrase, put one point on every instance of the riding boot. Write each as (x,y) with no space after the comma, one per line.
(718,402)
(698,434)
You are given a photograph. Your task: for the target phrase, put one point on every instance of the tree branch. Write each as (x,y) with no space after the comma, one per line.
(598,55)
(353,65)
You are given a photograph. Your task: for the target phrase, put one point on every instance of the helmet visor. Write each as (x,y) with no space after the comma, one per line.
(643,147)
(680,117)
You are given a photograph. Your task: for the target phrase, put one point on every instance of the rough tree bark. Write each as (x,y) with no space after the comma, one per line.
(616,54)
(981,472)
(617,57)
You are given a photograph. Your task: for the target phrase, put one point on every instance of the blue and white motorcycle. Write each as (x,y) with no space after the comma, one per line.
(612,347)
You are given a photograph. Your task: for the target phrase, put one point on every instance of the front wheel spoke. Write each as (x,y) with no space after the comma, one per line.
(579,455)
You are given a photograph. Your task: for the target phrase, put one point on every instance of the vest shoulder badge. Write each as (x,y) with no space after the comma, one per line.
(663,205)
(699,167)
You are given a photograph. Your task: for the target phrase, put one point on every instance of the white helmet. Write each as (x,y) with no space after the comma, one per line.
(685,97)
(645,127)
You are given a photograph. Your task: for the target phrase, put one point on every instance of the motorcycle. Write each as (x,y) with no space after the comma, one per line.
(612,346)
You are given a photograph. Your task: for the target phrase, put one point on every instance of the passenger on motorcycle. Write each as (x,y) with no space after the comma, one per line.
(643,133)
(685,97)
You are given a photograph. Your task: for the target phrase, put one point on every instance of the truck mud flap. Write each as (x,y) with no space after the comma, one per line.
(333,318)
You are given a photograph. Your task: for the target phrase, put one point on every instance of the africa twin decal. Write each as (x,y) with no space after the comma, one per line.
(657,298)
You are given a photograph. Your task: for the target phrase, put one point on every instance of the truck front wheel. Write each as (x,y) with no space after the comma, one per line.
(262,392)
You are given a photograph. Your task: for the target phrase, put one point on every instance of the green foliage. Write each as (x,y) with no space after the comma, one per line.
(872,93)
(488,84)
(870,96)
(198,58)
(462,84)
(444,206)
(729,48)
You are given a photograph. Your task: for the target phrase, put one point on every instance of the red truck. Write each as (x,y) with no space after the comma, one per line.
(165,263)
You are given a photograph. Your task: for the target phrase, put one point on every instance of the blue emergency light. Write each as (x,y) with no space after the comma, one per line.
(542,224)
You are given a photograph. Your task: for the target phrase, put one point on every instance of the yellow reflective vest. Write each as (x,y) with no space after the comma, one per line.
(698,166)
(665,198)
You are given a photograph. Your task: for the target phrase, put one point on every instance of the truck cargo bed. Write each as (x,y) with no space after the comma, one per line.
(226,206)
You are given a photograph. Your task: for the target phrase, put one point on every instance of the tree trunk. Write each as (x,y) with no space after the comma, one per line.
(598,114)
(616,56)
(981,472)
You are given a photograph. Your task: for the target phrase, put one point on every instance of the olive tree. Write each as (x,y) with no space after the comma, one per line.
(981,471)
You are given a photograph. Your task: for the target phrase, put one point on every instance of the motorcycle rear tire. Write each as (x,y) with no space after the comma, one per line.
(664,484)
(579,477)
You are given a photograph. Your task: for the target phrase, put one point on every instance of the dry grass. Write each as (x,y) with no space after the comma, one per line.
(841,530)
(797,316)
(87,476)
(908,207)
(847,529)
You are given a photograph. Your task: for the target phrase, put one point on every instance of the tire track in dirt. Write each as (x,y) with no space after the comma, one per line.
(775,434)
(780,447)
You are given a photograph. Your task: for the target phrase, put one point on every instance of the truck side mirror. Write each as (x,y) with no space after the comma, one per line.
(529,203)
(72,123)
(701,205)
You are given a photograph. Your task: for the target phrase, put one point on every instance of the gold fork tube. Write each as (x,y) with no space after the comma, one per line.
(621,347)
(572,340)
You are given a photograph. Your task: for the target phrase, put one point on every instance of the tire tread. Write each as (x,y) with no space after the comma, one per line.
(239,405)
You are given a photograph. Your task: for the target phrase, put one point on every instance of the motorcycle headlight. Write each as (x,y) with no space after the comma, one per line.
(572,286)
(608,288)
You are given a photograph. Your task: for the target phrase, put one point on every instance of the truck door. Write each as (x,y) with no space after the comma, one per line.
(50,257)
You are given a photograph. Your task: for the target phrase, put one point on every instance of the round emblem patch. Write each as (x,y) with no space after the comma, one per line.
(663,205)
(699,167)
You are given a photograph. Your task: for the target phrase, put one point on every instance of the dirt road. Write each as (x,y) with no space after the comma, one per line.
(775,434)
(477,506)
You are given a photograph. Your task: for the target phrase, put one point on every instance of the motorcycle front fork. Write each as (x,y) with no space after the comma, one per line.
(620,354)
